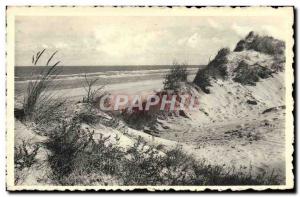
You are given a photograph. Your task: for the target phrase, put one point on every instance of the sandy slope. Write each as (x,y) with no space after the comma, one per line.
(233,132)
(225,131)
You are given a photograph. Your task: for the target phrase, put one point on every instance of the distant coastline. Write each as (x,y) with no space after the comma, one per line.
(27,72)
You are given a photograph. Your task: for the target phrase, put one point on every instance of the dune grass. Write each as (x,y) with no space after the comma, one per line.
(65,143)
(36,88)
(91,91)
(40,106)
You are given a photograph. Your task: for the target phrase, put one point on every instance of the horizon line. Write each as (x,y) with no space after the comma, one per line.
(112,65)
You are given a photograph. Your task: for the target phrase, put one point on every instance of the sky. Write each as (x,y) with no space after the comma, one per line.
(132,40)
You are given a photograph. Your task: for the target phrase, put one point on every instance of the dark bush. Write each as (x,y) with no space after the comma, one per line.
(240,46)
(250,74)
(251,102)
(101,156)
(268,45)
(263,44)
(144,164)
(177,74)
(89,116)
(202,80)
(65,143)
(216,68)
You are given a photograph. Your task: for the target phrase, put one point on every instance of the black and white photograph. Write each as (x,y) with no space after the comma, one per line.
(152,98)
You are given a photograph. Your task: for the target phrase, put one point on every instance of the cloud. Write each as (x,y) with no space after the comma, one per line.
(241,30)
(214,24)
(45,46)
(274,31)
(135,40)
(194,40)
(265,29)
(61,45)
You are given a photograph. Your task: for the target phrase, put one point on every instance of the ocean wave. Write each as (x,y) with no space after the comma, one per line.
(103,75)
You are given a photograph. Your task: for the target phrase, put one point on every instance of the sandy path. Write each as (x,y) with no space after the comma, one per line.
(252,141)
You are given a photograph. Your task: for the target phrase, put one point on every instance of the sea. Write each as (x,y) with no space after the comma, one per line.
(70,77)
(24,73)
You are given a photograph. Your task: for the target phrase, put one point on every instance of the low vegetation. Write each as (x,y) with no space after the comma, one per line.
(202,80)
(250,74)
(146,120)
(177,74)
(215,69)
(101,162)
(77,158)
(25,155)
(91,91)
(36,89)
(39,106)
(264,44)
(65,143)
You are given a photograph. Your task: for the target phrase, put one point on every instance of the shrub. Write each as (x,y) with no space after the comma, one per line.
(91,166)
(178,168)
(88,116)
(48,113)
(177,74)
(250,74)
(24,158)
(65,143)
(25,155)
(103,156)
(240,46)
(264,44)
(141,119)
(174,167)
(187,171)
(216,68)
(268,45)
(144,164)
(202,80)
